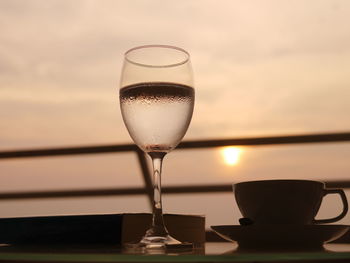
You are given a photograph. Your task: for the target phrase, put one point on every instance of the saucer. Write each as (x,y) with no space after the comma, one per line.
(281,236)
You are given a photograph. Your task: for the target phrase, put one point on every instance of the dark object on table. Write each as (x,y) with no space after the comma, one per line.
(281,237)
(96,229)
(245,221)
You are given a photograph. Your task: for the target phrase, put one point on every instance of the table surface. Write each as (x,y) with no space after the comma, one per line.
(213,252)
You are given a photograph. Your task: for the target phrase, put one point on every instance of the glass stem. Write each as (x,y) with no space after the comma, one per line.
(158,227)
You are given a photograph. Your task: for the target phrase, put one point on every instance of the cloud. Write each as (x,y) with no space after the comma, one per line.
(255,62)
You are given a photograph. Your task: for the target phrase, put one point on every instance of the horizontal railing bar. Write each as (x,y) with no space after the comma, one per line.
(68,151)
(73,193)
(272,140)
(137,191)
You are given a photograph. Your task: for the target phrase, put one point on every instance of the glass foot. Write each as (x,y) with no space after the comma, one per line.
(151,242)
(158,245)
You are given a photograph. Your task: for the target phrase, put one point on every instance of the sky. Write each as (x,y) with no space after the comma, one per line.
(261,68)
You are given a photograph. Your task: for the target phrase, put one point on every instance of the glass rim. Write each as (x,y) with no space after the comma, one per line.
(157,46)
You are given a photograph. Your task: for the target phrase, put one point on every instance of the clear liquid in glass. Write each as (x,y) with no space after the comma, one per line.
(157,114)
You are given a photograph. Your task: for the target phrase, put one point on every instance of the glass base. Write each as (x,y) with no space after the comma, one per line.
(159,242)
(158,245)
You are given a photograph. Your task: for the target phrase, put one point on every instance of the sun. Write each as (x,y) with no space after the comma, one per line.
(231,155)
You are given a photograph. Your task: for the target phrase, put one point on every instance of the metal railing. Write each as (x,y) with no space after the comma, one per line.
(210,236)
(260,141)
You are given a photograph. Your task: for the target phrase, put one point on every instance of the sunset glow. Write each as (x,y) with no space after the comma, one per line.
(231,155)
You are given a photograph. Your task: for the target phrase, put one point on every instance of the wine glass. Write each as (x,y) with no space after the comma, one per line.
(157,100)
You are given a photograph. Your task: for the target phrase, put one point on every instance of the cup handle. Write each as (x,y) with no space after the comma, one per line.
(345,207)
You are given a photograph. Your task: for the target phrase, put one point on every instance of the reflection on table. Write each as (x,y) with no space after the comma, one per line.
(212,252)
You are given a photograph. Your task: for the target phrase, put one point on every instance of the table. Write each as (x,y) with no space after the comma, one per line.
(213,252)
